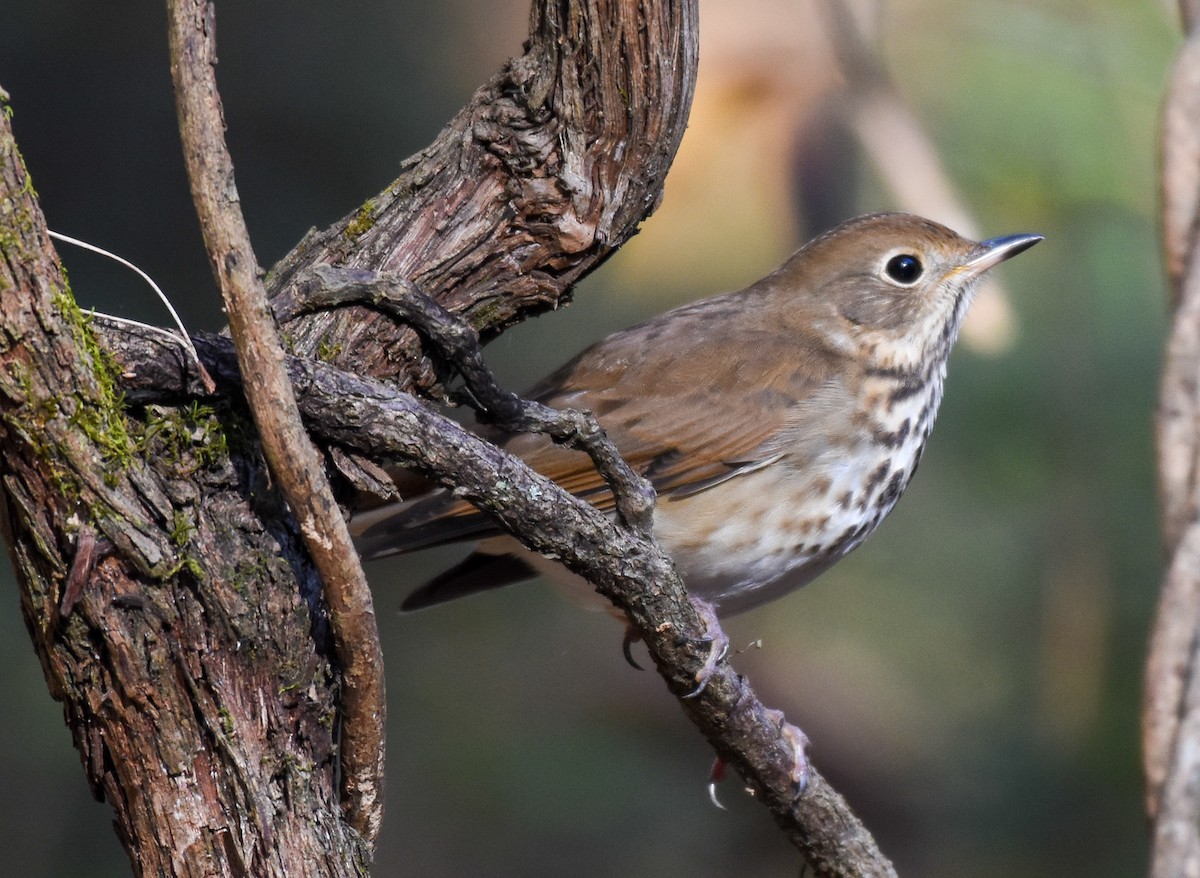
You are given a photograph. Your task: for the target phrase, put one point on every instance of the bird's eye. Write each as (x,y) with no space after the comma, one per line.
(904,269)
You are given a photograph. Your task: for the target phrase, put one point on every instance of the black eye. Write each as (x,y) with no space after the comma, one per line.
(904,269)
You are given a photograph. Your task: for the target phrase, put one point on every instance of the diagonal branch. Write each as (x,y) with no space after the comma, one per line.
(294,462)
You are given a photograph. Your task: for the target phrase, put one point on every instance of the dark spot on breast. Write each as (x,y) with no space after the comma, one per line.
(906,387)
(895,437)
(893,489)
(849,538)
(846,536)
(876,478)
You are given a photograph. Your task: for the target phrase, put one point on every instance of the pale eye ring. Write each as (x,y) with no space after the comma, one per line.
(904,268)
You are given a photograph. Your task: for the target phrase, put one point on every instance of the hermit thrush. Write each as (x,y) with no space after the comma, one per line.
(779,424)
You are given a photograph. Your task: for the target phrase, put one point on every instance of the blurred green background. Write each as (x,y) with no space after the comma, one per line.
(970,678)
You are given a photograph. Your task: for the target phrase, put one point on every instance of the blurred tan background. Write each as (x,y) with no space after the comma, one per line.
(970,678)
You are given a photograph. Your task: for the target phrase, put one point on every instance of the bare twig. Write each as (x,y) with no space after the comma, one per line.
(1190,12)
(1180,183)
(1176,783)
(183,337)
(294,461)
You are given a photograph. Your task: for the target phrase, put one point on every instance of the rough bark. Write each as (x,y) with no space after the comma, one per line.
(297,466)
(547,170)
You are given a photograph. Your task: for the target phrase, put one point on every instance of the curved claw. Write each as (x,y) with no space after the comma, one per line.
(716,774)
(799,771)
(720,648)
(712,795)
(631,637)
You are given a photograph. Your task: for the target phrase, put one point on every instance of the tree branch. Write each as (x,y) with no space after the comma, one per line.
(185,640)
(295,463)
(566,150)
(458,344)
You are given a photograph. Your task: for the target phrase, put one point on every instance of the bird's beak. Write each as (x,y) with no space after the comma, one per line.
(995,250)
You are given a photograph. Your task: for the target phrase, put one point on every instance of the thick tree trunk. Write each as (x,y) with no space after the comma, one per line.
(174,613)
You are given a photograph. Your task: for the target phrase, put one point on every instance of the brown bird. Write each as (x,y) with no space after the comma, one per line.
(778,424)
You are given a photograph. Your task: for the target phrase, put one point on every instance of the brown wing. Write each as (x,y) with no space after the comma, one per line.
(686,414)
(689,402)
(683,444)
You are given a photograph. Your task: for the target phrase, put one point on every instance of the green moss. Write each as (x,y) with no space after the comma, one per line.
(191,438)
(185,562)
(489,314)
(15,221)
(363,221)
(182,528)
(245,575)
(100,416)
(328,350)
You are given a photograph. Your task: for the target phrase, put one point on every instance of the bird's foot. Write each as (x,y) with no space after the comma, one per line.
(799,771)
(798,741)
(716,639)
